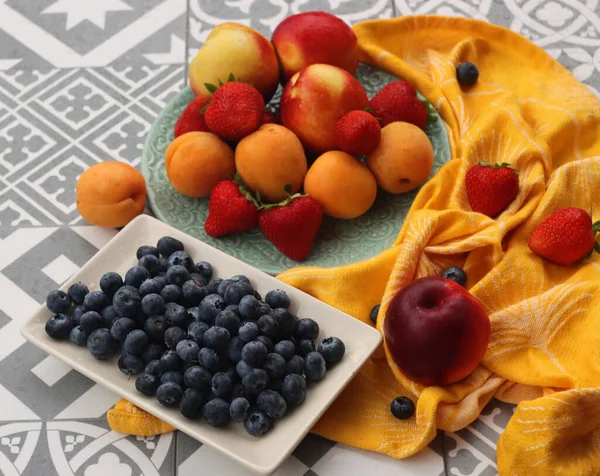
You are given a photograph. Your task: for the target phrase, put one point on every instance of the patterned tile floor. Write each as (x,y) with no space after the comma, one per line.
(80,82)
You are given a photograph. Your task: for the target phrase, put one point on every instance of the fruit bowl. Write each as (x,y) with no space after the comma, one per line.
(339,242)
(262,454)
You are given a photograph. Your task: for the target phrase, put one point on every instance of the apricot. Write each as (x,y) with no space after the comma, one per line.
(197,161)
(343,185)
(403,160)
(270,159)
(110,194)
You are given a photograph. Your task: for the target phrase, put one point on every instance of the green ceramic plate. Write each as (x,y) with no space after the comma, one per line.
(339,242)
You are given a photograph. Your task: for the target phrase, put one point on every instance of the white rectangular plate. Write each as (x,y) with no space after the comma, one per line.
(265,454)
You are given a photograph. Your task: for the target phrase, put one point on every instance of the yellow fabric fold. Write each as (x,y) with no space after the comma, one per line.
(526,109)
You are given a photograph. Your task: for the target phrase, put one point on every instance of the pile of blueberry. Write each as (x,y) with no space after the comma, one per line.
(211,347)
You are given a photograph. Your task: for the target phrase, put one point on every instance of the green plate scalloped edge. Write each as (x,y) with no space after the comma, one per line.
(339,242)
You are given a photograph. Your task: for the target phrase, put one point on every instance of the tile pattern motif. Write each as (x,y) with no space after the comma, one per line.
(81,82)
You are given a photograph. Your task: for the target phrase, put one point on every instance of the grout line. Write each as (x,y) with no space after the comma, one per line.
(175,440)
(187,43)
(446,468)
(394,13)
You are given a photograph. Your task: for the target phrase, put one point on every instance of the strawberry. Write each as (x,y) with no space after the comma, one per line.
(192,118)
(491,188)
(357,133)
(565,237)
(235,110)
(269,118)
(231,209)
(398,102)
(292,225)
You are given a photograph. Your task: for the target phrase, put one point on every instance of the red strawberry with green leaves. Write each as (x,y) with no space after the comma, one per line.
(235,110)
(398,101)
(292,225)
(491,187)
(192,118)
(565,237)
(231,209)
(357,133)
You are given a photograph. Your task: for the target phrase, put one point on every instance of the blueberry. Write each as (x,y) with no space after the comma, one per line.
(209,359)
(223,285)
(153,368)
(249,307)
(169,394)
(238,410)
(239,278)
(255,381)
(305,346)
(193,314)
(192,293)
(275,366)
(77,293)
(235,309)
(254,353)
(295,365)
(204,268)
(101,344)
(264,309)
(213,286)
(78,336)
(306,329)
(175,314)
(267,342)
(314,366)
(217,338)
(234,349)
(181,258)
(131,364)
(90,321)
(154,351)
(151,263)
(174,376)
(216,412)
(171,293)
(155,327)
(191,404)
(285,348)
(110,283)
(198,279)
(198,377)
(455,274)
(268,326)
(160,280)
(257,424)
(150,286)
(109,315)
(467,74)
(168,245)
(332,349)
(294,389)
(196,332)
(187,350)
(222,385)
(286,323)
(127,303)
(374,313)
(177,275)
(147,384)
(170,361)
(136,342)
(173,336)
(228,320)
(277,299)
(402,408)
(95,301)
(76,314)
(136,276)
(248,332)
(237,290)
(121,328)
(272,404)
(242,368)
(257,295)
(145,250)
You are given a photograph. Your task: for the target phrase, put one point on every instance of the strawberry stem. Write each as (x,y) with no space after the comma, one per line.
(498,166)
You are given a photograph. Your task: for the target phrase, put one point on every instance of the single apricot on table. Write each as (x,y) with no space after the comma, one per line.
(197,161)
(403,160)
(343,185)
(110,194)
(270,159)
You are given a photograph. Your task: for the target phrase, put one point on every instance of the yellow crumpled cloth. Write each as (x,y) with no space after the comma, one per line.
(544,352)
